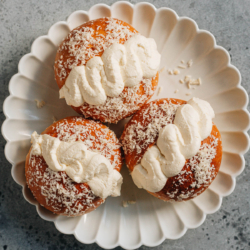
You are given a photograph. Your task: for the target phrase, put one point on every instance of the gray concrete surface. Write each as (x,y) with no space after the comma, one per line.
(21,21)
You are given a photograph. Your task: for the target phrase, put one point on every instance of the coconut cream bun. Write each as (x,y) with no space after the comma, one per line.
(172,148)
(106,70)
(73,166)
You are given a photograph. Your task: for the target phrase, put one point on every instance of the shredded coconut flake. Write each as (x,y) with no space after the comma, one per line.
(131,202)
(159,90)
(39,104)
(54,119)
(176,72)
(181,66)
(190,63)
(125,204)
(170,72)
(162,69)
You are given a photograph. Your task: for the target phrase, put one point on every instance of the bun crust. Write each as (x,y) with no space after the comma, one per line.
(55,190)
(143,130)
(116,108)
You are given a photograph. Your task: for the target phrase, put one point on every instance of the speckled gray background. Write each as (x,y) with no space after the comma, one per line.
(21,22)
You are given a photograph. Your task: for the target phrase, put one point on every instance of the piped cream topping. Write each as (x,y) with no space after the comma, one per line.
(80,164)
(176,143)
(121,65)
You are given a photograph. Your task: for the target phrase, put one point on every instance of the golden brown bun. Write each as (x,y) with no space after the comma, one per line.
(39,177)
(185,185)
(131,99)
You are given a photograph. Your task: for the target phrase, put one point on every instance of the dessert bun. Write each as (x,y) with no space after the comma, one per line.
(63,192)
(89,41)
(145,134)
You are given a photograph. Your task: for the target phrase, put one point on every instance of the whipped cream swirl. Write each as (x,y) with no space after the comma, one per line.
(80,164)
(121,65)
(176,143)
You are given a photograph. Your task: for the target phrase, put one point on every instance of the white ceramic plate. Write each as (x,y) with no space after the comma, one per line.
(150,221)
